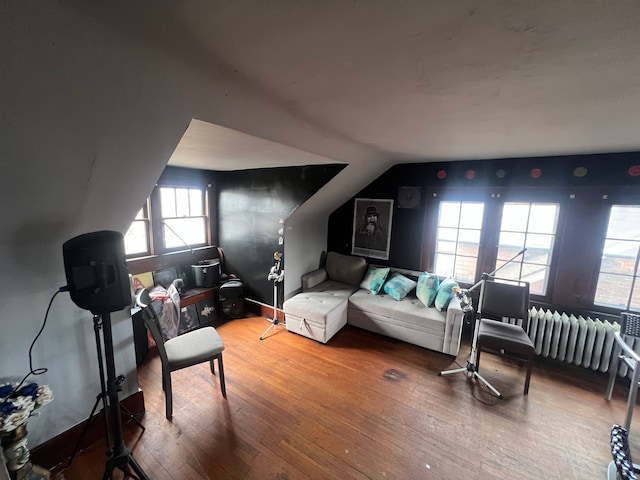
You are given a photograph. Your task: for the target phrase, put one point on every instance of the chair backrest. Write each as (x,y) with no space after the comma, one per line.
(505,298)
(152,322)
(620,453)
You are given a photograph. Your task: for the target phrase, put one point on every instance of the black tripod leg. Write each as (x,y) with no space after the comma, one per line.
(122,462)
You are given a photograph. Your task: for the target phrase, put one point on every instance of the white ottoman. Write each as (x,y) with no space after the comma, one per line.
(319,312)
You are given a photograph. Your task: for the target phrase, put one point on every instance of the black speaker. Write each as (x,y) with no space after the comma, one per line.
(96,270)
(231,299)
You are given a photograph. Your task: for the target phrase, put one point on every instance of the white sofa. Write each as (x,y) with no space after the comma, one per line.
(331,298)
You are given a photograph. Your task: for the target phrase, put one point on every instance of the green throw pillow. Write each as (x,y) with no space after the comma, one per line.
(445,294)
(374,279)
(398,286)
(427,288)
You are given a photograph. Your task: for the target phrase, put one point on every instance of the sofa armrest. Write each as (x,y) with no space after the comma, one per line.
(313,278)
(453,327)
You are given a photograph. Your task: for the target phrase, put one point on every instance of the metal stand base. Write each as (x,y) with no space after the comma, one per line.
(274,325)
(472,372)
(274,321)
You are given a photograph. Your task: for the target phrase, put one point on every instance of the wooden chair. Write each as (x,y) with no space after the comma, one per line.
(191,348)
(509,299)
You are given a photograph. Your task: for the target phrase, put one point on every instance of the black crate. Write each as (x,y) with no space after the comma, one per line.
(207,311)
(188,319)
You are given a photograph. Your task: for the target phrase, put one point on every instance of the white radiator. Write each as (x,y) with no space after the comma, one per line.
(585,342)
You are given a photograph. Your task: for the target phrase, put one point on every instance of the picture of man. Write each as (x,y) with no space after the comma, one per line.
(372,219)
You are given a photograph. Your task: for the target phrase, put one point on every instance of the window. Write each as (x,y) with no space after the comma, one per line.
(531,226)
(136,240)
(475,235)
(184,223)
(458,239)
(173,218)
(618,284)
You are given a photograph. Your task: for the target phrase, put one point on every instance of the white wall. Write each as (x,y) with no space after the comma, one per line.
(87,128)
(90,113)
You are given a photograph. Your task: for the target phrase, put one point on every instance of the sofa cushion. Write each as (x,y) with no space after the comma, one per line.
(374,279)
(410,312)
(445,294)
(345,268)
(398,286)
(427,288)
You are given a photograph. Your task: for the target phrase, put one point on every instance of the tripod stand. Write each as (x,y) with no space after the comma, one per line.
(471,369)
(276,275)
(120,456)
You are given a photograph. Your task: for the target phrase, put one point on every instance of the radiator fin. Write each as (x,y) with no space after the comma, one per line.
(585,342)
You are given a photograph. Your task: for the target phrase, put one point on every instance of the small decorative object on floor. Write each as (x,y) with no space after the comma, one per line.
(17,404)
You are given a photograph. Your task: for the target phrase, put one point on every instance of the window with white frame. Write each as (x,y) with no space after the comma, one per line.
(136,240)
(458,239)
(618,284)
(173,218)
(532,226)
(182,211)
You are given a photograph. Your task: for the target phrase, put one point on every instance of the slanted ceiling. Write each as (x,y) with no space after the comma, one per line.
(408,81)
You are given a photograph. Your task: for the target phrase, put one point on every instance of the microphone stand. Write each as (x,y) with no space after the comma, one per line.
(276,275)
(471,370)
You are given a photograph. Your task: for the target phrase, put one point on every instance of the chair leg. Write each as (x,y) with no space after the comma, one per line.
(528,379)
(168,395)
(212,366)
(221,368)
(478,351)
(613,372)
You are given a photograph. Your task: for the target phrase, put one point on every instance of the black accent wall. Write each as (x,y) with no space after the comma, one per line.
(251,204)
(596,170)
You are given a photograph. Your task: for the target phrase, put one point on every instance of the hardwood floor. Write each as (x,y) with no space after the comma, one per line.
(365,406)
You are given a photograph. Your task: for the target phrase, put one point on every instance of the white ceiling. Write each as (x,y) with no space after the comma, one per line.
(416,80)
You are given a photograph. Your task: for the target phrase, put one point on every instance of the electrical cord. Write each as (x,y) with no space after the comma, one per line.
(37,371)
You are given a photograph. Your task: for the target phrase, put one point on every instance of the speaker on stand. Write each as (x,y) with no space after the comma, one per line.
(98,280)
(231,297)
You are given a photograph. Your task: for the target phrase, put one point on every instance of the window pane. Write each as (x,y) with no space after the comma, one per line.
(619,264)
(182,203)
(510,244)
(613,290)
(449,234)
(635,297)
(135,240)
(619,256)
(530,225)
(446,247)
(449,214)
(515,217)
(471,215)
(445,264)
(458,239)
(196,202)
(624,222)
(167,202)
(543,218)
(465,267)
(188,232)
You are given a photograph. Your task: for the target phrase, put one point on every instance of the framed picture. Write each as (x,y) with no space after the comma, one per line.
(372,228)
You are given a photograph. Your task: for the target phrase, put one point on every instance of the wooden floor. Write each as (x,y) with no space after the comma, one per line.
(365,407)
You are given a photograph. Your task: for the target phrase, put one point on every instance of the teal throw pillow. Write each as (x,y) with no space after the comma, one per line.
(445,294)
(398,286)
(374,279)
(427,288)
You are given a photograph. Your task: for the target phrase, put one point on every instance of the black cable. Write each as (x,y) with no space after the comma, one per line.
(37,371)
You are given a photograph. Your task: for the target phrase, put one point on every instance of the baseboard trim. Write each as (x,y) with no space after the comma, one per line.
(263,310)
(55,453)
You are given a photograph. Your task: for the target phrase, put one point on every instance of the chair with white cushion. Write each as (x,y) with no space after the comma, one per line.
(190,348)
